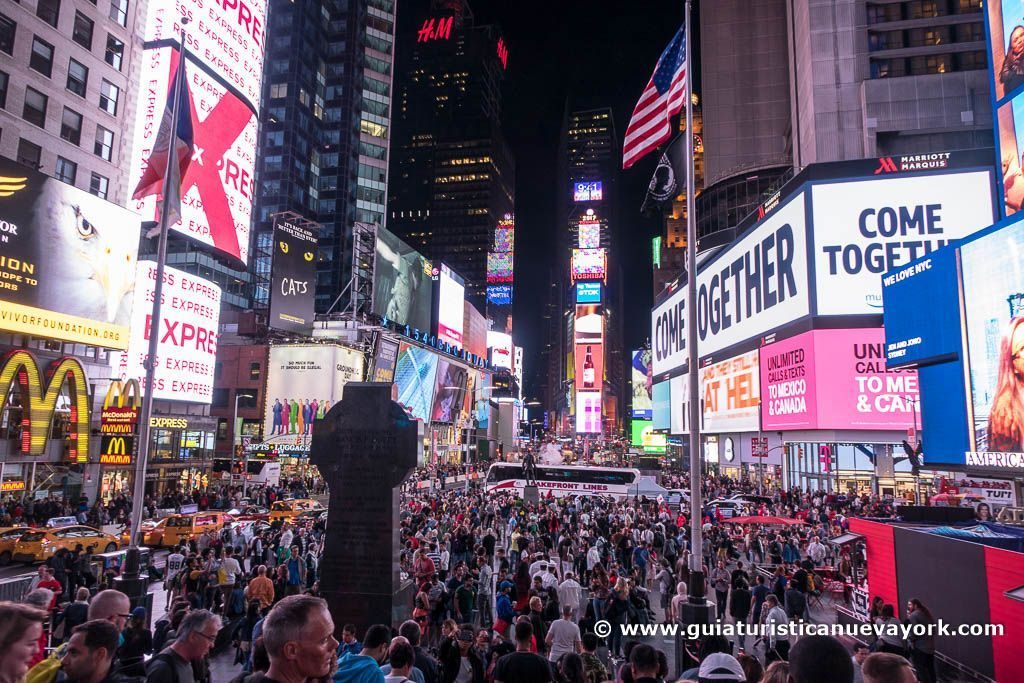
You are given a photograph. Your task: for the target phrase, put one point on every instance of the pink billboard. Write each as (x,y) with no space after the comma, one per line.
(835,379)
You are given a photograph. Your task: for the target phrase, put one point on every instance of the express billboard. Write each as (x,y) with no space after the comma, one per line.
(67,261)
(187,347)
(922,311)
(758,284)
(303,382)
(639,367)
(451,295)
(225,72)
(415,377)
(864,228)
(292,277)
(835,379)
(402,288)
(731,396)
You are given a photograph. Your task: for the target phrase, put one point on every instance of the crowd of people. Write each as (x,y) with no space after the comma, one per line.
(505,591)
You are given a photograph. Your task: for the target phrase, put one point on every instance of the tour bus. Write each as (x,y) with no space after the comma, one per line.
(565,480)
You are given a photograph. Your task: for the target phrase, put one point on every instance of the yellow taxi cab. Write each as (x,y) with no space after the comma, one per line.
(38,545)
(152,533)
(286,510)
(186,527)
(8,537)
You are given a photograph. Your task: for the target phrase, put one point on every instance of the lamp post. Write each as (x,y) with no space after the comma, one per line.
(236,435)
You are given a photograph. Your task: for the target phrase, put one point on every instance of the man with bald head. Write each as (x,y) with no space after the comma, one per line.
(113,606)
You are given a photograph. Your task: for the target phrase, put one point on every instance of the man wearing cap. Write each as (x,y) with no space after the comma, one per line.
(718,667)
(460,662)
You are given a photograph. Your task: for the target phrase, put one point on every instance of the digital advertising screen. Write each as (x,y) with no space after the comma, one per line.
(499,295)
(292,278)
(1006,42)
(589,264)
(187,348)
(499,267)
(639,369)
(588,412)
(589,191)
(679,400)
(589,366)
(500,345)
(67,261)
(475,333)
(835,379)
(993,287)
(914,333)
(588,325)
(588,292)
(384,361)
(402,285)
(450,393)
(589,235)
(415,378)
(450,301)
(643,436)
(864,228)
(661,405)
(303,382)
(225,48)
(731,395)
(504,239)
(1010,121)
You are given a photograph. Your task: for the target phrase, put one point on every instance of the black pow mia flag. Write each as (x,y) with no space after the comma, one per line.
(669,177)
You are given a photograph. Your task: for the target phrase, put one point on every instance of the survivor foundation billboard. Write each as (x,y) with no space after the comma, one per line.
(67,261)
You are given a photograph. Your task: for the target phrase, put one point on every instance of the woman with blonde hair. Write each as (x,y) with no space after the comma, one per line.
(777,672)
(617,614)
(1006,418)
(21,626)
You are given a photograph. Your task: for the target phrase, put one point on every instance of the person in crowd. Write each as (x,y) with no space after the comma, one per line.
(410,630)
(89,655)
(820,659)
(776,672)
(349,642)
(77,612)
(195,638)
(21,627)
(617,613)
(778,642)
(594,670)
(751,666)
(921,645)
(720,666)
(401,658)
(884,667)
(563,636)
(890,639)
(365,666)
(298,634)
(720,580)
(460,663)
(860,653)
(138,642)
(522,666)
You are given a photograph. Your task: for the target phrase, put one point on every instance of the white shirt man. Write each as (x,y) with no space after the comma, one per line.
(446,558)
(593,557)
(563,636)
(549,579)
(816,551)
(231,570)
(569,594)
(286,537)
(537,567)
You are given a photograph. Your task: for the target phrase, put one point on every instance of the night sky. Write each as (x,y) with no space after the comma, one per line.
(601,51)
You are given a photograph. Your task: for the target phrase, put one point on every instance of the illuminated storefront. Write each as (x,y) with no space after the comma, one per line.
(181,452)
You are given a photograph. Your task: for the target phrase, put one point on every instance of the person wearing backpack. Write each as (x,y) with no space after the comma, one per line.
(196,637)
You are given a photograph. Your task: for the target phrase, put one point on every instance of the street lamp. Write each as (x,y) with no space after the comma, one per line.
(236,436)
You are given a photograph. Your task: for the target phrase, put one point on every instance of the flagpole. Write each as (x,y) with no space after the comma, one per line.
(696,592)
(141,460)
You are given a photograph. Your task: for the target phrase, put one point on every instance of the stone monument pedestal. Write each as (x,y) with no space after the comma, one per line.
(365,447)
(530,494)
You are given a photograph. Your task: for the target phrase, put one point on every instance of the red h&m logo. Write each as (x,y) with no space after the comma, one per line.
(435,29)
(886,165)
(503,53)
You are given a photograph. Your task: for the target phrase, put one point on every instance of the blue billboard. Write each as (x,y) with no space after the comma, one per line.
(921,311)
(499,295)
(588,292)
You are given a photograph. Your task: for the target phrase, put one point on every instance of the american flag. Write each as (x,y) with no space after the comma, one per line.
(662,99)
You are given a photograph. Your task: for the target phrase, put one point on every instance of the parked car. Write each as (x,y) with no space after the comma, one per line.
(39,545)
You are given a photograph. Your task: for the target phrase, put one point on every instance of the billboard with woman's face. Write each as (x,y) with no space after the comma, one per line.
(1006,33)
(993,290)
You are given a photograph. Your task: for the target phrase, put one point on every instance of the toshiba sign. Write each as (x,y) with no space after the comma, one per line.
(187,348)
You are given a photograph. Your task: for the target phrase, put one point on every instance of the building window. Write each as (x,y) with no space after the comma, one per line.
(29,154)
(35,107)
(104,146)
(82,32)
(48,11)
(969,61)
(71,126)
(119,11)
(42,57)
(98,185)
(254,371)
(115,52)
(109,94)
(7,30)
(4,82)
(65,171)
(278,90)
(78,77)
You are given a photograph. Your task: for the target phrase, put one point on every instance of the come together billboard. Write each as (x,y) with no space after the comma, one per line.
(225,49)
(67,261)
(303,382)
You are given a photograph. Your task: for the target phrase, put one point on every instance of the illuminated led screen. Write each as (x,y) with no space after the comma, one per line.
(588,264)
(587,192)
(590,235)
(499,267)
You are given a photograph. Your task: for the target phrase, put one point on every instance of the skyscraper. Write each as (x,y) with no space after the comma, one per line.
(452,169)
(325,131)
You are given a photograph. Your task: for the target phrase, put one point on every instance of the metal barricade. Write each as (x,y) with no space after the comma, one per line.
(13,589)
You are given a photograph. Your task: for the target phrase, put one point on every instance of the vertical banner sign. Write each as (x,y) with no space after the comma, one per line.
(225,43)
(292,276)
